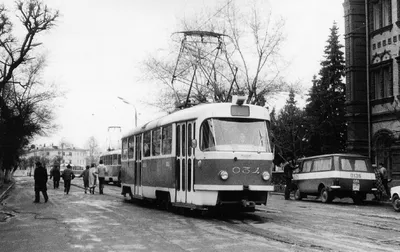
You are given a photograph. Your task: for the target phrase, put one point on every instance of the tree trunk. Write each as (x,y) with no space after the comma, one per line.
(1,178)
(7,176)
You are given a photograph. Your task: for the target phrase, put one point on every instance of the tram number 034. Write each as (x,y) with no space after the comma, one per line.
(245,170)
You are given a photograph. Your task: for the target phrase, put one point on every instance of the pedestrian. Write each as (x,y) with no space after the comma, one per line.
(67,176)
(288,175)
(92,178)
(101,171)
(384,177)
(85,175)
(40,176)
(55,174)
(381,192)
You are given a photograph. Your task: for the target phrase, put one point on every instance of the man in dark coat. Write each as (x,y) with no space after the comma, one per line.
(40,176)
(85,175)
(67,176)
(288,175)
(55,174)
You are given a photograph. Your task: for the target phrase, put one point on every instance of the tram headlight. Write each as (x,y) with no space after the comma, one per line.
(223,175)
(265,176)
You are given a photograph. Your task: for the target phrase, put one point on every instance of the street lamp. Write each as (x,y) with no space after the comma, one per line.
(125,101)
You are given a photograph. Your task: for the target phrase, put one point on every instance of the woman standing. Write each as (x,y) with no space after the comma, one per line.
(92,179)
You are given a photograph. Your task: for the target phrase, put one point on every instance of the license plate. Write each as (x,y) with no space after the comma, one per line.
(356,185)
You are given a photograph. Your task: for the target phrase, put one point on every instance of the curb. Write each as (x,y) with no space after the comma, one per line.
(2,196)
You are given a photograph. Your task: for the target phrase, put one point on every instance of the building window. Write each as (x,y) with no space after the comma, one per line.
(381,14)
(382,80)
(386,4)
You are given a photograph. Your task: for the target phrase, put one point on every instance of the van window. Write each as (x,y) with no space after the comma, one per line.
(324,164)
(307,166)
(353,164)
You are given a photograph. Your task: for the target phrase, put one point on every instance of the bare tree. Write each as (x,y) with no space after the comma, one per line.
(249,59)
(24,101)
(93,148)
(36,18)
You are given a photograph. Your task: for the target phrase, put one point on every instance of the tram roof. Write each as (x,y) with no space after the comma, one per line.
(117,151)
(335,154)
(204,110)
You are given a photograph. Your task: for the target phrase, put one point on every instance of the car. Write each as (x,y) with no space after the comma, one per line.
(395,198)
(334,175)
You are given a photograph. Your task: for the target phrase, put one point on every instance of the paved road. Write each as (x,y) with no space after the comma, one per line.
(84,222)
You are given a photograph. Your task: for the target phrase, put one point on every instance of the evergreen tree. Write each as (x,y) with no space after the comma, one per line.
(288,129)
(326,105)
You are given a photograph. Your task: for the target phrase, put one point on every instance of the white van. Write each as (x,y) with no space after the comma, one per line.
(334,175)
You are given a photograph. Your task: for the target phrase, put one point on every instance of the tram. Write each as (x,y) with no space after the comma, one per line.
(112,161)
(202,157)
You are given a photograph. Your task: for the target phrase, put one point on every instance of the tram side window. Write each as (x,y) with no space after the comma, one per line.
(167,140)
(156,142)
(131,142)
(206,136)
(114,159)
(125,148)
(146,144)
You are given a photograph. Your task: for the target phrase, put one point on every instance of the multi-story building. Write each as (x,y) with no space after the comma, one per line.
(68,155)
(372,46)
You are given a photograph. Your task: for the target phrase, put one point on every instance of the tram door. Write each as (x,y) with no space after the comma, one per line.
(138,165)
(184,161)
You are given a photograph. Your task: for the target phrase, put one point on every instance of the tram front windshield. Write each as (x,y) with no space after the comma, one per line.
(226,134)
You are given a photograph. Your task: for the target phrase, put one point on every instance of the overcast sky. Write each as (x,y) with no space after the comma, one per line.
(94,54)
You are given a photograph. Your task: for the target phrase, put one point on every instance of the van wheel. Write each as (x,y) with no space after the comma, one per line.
(396,203)
(326,196)
(298,195)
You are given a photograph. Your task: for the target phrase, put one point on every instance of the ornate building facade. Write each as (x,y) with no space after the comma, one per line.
(372,45)
(68,155)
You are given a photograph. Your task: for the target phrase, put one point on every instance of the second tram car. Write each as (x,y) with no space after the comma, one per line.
(112,160)
(209,155)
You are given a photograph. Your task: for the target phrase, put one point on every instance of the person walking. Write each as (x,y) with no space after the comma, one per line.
(288,175)
(67,176)
(92,178)
(381,191)
(40,176)
(384,176)
(55,174)
(101,171)
(85,176)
